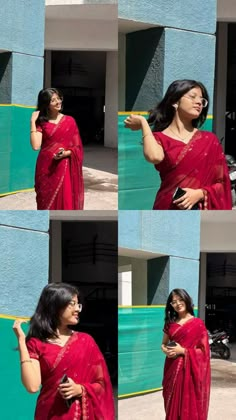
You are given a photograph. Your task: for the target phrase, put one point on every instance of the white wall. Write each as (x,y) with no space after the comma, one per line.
(125,285)
(81,35)
(226,10)
(139,278)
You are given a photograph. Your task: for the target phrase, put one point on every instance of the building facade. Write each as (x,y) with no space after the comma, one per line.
(68,44)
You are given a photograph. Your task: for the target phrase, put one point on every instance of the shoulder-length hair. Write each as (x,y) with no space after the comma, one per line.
(53,300)
(44,99)
(162,115)
(170,314)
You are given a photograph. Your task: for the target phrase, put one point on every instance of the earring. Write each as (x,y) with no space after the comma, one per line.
(175,106)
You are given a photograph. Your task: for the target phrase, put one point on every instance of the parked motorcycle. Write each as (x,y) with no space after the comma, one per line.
(219,344)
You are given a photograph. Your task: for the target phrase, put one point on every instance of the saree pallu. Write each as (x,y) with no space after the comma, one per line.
(59,183)
(81,360)
(186,381)
(198,164)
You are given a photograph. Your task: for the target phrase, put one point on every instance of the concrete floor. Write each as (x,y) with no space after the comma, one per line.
(100,179)
(222,401)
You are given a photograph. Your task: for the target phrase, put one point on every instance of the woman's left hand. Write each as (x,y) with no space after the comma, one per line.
(69,389)
(173,352)
(62,154)
(187,201)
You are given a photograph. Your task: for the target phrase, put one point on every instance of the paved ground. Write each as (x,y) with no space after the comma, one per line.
(101,183)
(222,402)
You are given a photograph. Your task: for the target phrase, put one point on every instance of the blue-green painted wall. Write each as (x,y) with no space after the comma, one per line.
(24,261)
(21,77)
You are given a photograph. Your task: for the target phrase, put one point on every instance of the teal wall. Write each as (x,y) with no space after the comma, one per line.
(145,59)
(159,232)
(17,159)
(16,402)
(168,273)
(198,16)
(21,78)
(22,26)
(24,260)
(140,357)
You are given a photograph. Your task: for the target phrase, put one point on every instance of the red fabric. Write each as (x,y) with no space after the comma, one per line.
(59,183)
(198,164)
(83,362)
(186,382)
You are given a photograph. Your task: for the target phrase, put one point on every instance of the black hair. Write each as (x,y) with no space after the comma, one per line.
(44,99)
(162,115)
(46,319)
(170,314)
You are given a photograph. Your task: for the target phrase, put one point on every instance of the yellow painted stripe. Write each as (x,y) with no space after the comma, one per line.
(14,317)
(141,306)
(139,393)
(209,117)
(19,105)
(15,192)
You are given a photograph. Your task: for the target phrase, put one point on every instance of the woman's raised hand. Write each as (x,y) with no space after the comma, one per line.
(18,329)
(134,122)
(34,116)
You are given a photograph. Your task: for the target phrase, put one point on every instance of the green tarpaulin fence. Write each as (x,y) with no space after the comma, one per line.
(16,402)
(17,159)
(140,357)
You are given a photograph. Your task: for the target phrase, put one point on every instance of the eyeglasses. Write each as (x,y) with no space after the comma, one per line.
(193,98)
(73,303)
(175,302)
(54,100)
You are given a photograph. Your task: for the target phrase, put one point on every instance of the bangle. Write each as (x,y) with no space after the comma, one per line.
(26,361)
(33,131)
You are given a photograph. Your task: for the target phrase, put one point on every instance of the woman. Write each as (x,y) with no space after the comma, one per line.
(185,157)
(58,178)
(186,382)
(52,350)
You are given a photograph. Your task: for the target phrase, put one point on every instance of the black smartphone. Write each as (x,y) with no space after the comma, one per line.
(171,344)
(60,153)
(63,380)
(179,193)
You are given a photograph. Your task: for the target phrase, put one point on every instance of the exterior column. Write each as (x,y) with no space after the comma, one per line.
(111,99)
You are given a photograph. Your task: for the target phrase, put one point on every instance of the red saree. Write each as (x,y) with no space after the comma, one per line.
(59,183)
(186,382)
(198,164)
(83,362)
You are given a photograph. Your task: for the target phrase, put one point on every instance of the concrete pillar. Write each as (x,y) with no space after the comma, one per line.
(48,69)
(111,99)
(55,252)
(202,286)
(221,80)
(125,285)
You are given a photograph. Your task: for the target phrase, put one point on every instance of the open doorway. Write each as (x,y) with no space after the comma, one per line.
(81,75)
(84,254)
(221,293)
